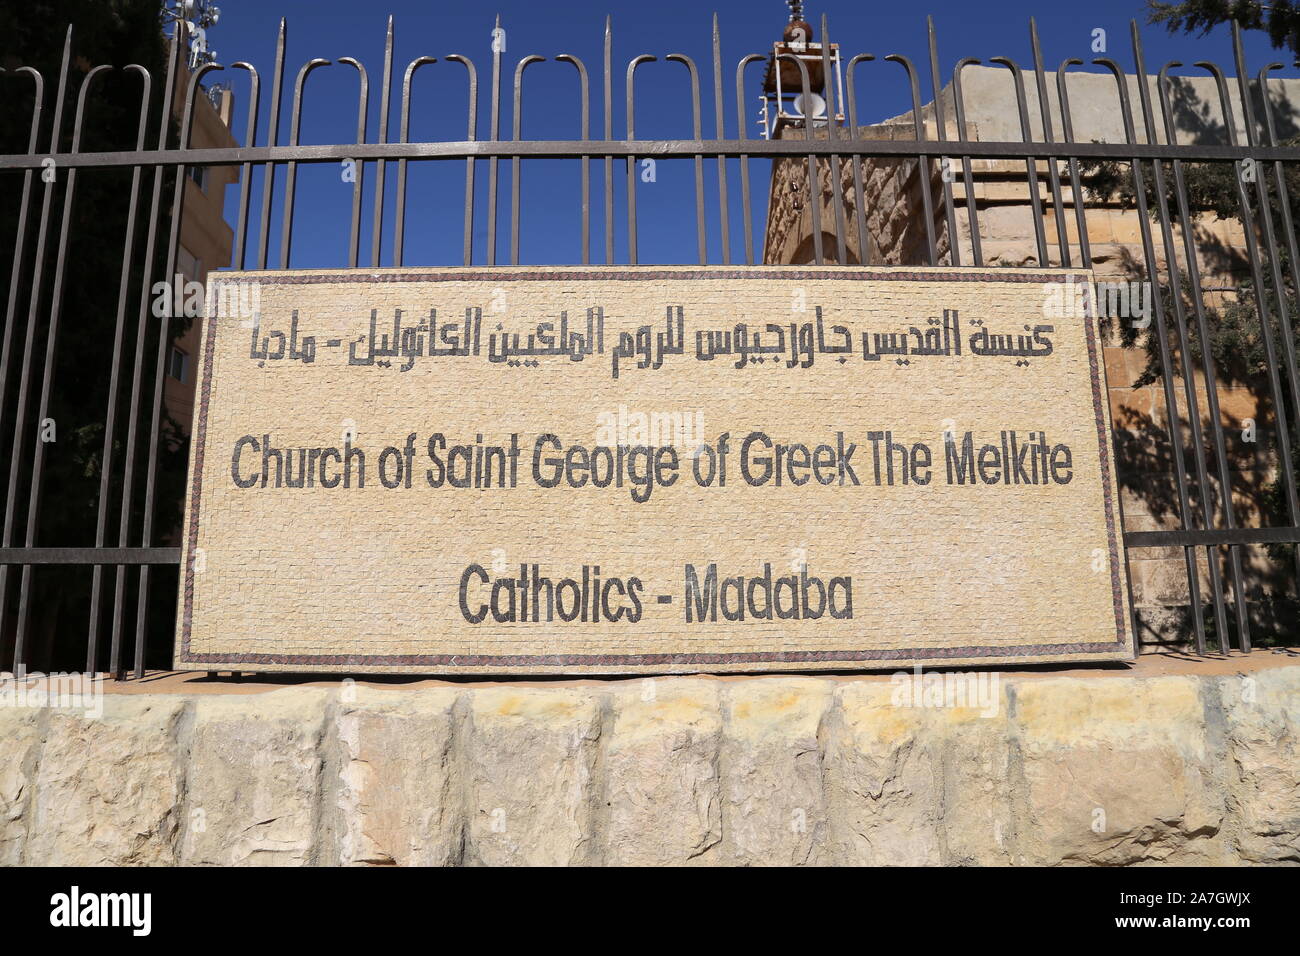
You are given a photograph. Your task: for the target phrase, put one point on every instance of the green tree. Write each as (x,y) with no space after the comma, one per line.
(1279,18)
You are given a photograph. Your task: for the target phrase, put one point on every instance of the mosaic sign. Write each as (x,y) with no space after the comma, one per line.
(647,470)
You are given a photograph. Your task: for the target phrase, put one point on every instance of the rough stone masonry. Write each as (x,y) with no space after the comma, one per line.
(1110,769)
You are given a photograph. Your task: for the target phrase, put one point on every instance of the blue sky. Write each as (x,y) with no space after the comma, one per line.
(551,189)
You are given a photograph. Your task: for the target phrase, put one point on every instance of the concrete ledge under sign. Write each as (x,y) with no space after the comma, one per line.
(1166,761)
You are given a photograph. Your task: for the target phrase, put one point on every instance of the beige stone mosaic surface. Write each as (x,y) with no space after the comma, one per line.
(377,578)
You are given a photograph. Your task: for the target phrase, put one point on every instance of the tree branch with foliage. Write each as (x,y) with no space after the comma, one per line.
(1280,19)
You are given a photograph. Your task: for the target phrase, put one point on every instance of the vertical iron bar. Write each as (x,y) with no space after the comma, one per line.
(941,123)
(273,133)
(493,135)
(47,372)
(20,239)
(631,160)
(724,207)
(864,243)
(377,231)
(246,171)
(291,170)
(833,166)
(1076,185)
(160,370)
(741,134)
(354,241)
(142,318)
(110,411)
(1031,165)
(1049,136)
(814,194)
(585,160)
(471,135)
(959,106)
(922,163)
(399,215)
(29,347)
(517,119)
(609,135)
(20,248)
(697,131)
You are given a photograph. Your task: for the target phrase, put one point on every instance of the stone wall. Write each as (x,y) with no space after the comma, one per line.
(891,219)
(1106,769)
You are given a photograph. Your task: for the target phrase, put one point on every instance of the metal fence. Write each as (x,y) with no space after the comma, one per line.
(119,564)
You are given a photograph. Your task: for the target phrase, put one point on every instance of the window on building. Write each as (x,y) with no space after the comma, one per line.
(200,176)
(188,264)
(178,365)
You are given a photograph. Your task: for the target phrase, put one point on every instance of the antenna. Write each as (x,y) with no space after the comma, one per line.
(198,16)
